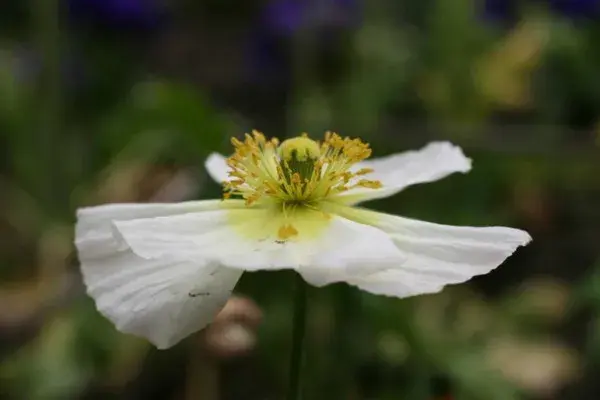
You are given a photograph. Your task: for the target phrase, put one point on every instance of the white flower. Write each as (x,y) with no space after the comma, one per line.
(162,271)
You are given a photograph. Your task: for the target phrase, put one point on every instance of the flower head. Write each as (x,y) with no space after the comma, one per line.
(162,271)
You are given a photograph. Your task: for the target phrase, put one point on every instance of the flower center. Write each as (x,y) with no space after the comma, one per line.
(299,171)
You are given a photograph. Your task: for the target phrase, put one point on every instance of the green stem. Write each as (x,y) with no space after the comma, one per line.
(300,306)
(347,311)
(46,25)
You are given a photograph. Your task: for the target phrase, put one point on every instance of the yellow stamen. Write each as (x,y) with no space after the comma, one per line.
(286,231)
(298,171)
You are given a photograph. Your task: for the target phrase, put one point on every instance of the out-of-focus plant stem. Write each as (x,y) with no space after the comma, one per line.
(302,78)
(47,110)
(348,310)
(298,333)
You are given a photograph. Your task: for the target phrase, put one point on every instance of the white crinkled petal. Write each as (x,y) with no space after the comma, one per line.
(217,168)
(163,300)
(97,220)
(398,171)
(247,239)
(437,255)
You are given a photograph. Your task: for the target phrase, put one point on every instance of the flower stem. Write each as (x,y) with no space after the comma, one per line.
(45,15)
(300,306)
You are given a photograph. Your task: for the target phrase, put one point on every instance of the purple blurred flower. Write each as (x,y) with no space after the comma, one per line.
(576,8)
(285,17)
(121,14)
(508,9)
(499,9)
(281,20)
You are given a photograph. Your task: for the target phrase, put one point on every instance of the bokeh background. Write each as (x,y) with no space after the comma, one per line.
(122,100)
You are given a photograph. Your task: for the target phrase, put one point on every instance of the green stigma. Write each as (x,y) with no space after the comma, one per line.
(298,156)
(300,148)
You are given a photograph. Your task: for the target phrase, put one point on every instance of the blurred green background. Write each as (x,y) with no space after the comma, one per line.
(122,100)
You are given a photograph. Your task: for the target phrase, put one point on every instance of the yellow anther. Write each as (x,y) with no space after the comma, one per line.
(286,231)
(369,184)
(364,171)
(260,138)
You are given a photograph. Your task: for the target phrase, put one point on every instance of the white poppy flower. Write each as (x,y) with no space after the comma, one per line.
(162,271)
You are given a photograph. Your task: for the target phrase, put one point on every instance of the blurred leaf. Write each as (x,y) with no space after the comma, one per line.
(179,116)
(504,73)
(46,369)
(379,74)
(454,43)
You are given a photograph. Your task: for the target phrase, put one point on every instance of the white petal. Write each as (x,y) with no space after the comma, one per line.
(163,300)
(217,167)
(97,220)
(434,161)
(437,255)
(95,224)
(330,250)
